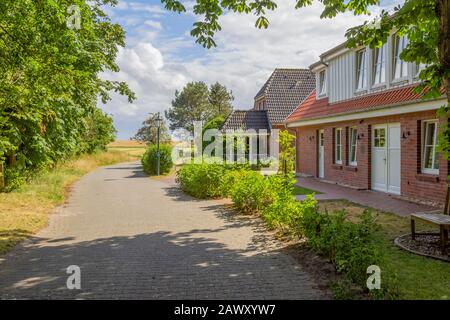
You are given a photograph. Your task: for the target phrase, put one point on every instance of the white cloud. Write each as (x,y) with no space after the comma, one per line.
(153,24)
(155,65)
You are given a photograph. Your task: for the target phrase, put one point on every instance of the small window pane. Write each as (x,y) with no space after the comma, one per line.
(430,134)
(430,158)
(400,67)
(352,145)
(361,72)
(322,82)
(379,65)
(338,146)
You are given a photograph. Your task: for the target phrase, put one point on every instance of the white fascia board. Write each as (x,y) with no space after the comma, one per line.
(417,106)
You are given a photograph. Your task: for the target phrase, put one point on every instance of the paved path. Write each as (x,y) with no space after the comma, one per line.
(135,237)
(369,198)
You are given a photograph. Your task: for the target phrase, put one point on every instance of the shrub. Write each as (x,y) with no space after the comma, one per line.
(352,247)
(286,213)
(202,180)
(14,179)
(251,192)
(150,158)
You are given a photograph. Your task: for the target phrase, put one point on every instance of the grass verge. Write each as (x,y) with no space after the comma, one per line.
(412,276)
(25,211)
(300,191)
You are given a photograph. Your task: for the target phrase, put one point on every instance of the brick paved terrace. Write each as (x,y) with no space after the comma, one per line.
(369,198)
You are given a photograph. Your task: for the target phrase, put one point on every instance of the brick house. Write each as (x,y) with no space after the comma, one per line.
(365,126)
(273,103)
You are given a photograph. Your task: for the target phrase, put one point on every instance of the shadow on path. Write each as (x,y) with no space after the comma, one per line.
(187,265)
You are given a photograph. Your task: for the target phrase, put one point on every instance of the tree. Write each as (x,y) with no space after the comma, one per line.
(287,152)
(425,22)
(198,103)
(149,132)
(214,123)
(50,79)
(220,99)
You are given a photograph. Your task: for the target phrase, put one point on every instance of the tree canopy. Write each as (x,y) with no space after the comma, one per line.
(197,102)
(149,132)
(51,82)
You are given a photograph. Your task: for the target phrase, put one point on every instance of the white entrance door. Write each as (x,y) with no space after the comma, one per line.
(321,154)
(386,158)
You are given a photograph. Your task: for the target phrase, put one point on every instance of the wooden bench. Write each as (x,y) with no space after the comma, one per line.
(437,219)
(441,220)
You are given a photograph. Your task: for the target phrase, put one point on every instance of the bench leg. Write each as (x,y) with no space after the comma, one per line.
(413,229)
(444,251)
(444,239)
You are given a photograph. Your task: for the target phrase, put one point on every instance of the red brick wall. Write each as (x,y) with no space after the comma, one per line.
(414,184)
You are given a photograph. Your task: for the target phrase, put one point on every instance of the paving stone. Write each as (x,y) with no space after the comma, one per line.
(139,238)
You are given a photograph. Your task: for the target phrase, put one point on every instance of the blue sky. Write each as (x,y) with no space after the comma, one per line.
(160,56)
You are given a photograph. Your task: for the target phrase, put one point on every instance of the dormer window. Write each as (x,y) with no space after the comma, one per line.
(322,82)
(400,67)
(379,65)
(361,69)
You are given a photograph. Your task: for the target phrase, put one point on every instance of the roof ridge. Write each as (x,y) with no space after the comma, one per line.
(293,69)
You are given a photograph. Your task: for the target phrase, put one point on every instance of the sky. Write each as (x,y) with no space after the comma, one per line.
(161,56)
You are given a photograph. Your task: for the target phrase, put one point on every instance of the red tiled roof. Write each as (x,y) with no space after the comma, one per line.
(311,108)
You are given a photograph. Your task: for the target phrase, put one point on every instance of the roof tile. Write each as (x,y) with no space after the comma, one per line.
(312,108)
(284,90)
(246,119)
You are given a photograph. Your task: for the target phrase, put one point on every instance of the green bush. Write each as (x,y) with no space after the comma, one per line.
(14,179)
(202,180)
(251,192)
(286,213)
(150,159)
(352,247)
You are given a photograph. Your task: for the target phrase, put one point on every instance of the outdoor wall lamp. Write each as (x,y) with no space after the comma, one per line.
(406,134)
(360,136)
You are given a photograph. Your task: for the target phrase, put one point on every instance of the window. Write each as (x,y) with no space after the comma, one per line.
(379,65)
(430,159)
(400,67)
(361,69)
(338,146)
(379,138)
(352,141)
(322,82)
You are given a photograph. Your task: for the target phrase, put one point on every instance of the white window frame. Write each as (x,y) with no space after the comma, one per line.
(322,85)
(433,146)
(352,147)
(338,131)
(361,69)
(398,48)
(379,63)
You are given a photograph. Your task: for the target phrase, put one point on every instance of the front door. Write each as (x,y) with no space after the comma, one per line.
(386,158)
(321,154)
